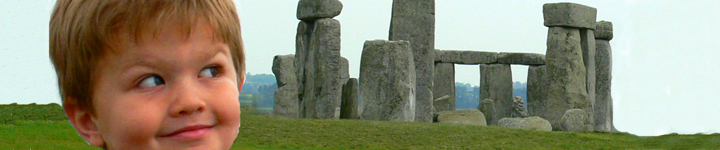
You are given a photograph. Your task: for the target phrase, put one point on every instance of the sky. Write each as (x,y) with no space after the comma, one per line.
(664,75)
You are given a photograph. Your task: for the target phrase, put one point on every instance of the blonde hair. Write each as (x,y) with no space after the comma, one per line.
(83,31)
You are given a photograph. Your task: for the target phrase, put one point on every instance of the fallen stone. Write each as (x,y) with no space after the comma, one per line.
(310,10)
(536,90)
(349,108)
(496,84)
(604,30)
(414,21)
(603,107)
(444,86)
(566,74)
(488,107)
(531,123)
(518,110)
(284,69)
(575,120)
(466,57)
(286,102)
(323,95)
(521,58)
(569,15)
(464,116)
(387,81)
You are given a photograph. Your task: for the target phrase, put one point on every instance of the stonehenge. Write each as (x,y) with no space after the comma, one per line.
(406,78)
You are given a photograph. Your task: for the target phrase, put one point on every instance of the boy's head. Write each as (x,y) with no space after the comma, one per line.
(149,74)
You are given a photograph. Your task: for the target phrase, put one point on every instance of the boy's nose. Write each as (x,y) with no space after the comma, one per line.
(187,100)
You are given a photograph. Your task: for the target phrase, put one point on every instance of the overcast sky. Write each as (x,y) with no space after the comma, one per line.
(665,53)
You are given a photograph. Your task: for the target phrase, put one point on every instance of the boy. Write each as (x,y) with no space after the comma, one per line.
(149,74)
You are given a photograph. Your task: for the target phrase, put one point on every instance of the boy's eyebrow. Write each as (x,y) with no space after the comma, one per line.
(209,54)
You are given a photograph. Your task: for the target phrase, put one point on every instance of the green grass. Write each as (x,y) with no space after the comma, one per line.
(266,132)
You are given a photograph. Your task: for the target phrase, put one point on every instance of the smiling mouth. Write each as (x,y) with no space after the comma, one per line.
(190,132)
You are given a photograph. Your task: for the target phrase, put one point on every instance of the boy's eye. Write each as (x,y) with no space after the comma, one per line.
(209,72)
(152,81)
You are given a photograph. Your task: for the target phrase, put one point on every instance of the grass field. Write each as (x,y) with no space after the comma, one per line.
(265,132)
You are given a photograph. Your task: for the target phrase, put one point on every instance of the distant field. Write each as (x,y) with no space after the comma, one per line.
(51,131)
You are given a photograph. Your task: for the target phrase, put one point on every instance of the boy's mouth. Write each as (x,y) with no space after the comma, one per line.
(190,132)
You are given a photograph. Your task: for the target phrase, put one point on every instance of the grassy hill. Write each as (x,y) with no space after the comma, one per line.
(266,132)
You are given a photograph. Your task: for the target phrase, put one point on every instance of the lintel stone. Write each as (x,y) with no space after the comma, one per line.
(569,15)
(310,10)
(466,57)
(521,58)
(604,30)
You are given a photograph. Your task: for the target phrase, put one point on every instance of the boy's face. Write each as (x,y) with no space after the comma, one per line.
(169,92)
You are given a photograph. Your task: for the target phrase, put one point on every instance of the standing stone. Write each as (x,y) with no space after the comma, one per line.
(603,57)
(349,106)
(414,21)
(487,106)
(536,90)
(444,86)
(518,110)
(387,81)
(323,89)
(587,40)
(286,99)
(574,120)
(344,70)
(303,55)
(566,74)
(464,116)
(310,10)
(496,84)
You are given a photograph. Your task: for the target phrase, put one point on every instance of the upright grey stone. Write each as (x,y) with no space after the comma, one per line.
(487,106)
(466,57)
(414,21)
(569,15)
(444,86)
(566,74)
(536,90)
(587,40)
(286,99)
(387,81)
(344,70)
(303,56)
(518,110)
(603,57)
(575,120)
(349,108)
(521,58)
(322,86)
(496,84)
(310,10)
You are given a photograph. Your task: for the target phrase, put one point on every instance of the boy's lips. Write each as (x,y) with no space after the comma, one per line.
(189,132)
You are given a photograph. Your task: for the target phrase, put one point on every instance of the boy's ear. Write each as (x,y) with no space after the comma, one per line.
(241,81)
(83,122)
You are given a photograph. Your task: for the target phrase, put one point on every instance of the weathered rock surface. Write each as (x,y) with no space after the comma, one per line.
(569,15)
(536,90)
(487,106)
(521,58)
(587,41)
(387,81)
(414,21)
(604,30)
(566,74)
(575,120)
(344,70)
(518,110)
(603,106)
(349,108)
(286,102)
(464,116)
(532,123)
(323,90)
(310,10)
(444,86)
(303,55)
(466,57)
(284,69)
(496,84)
